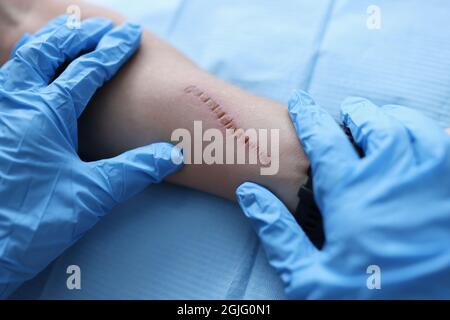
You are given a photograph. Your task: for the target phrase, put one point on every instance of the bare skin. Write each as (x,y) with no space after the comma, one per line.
(150,98)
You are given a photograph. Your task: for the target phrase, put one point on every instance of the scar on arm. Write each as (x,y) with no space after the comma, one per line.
(225,120)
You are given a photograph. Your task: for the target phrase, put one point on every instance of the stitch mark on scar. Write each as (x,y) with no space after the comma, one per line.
(220,113)
(214,106)
(224,119)
(190,89)
(205,98)
(229,126)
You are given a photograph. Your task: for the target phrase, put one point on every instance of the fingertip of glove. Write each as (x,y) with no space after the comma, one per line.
(133,26)
(61,19)
(133,30)
(355,110)
(300,99)
(99,22)
(58,21)
(128,35)
(246,193)
(22,41)
(159,158)
(246,188)
(299,102)
(167,152)
(349,106)
(176,156)
(253,199)
(352,104)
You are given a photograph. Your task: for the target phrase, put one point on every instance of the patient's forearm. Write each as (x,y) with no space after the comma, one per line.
(160,91)
(153,97)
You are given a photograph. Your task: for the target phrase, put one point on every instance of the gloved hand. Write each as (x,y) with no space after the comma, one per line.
(386,216)
(49,198)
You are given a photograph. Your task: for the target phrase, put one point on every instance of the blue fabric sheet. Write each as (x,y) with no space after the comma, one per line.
(171,242)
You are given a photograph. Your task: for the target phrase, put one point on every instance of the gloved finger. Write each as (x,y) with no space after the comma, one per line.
(40,58)
(287,247)
(124,176)
(89,72)
(375,131)
(23,40)
(326,145)
(49,27)
(426,136)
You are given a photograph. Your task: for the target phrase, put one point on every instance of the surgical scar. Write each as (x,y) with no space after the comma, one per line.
(225,120)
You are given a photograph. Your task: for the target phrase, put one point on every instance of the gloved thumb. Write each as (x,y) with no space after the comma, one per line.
(122,177)
(287,247)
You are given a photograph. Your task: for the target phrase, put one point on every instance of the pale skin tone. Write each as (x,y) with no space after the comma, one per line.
(149,99)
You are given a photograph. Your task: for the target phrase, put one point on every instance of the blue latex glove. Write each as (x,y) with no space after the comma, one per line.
(389,210)
(49,198)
